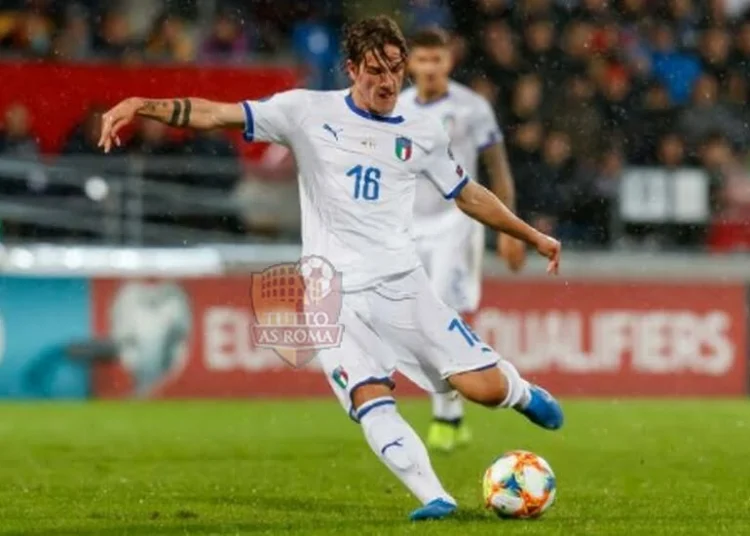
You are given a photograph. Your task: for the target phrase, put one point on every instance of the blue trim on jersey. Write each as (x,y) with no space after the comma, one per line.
(249,132)
(495,138)
(441,98)
(393,119)
(457,190)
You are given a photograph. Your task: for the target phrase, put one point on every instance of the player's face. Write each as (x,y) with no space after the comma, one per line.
(378,79)
(430,67)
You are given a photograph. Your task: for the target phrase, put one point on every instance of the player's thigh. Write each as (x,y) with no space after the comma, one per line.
(360,360)
(435,338)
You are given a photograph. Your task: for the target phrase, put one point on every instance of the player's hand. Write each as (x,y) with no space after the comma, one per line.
(114,119)
(551,249)
(512,250)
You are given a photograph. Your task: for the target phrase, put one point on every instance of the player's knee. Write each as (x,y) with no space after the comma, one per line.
(369,391)
(487,387)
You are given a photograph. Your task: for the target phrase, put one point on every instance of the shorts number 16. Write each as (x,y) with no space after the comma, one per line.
(463,328)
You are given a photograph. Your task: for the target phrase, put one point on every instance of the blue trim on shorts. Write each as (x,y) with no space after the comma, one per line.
(480,369)
(372,379)
(364,410)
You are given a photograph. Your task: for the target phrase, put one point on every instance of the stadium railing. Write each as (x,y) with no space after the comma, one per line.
(126,200)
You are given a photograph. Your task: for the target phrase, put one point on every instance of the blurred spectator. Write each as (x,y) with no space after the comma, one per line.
(113,40)
(741,54)
(683,17)
(73,40)
(563,185)
(677,70)
(169,40)
(576,45)
(227,40)
(16,138)
(538,182)
(733,180)
(85,137)
(213,144)
(315,44)
(464,70)
(151,139)
(502,62)
(526,10)
(594,11)
(615,101)
(526,100)
(426,13)
(650,119)
(486,89)
(29,31)
(715,48)
(706,115)
(715,12)
(540,51)
(574,112)
(591,217)
(670,152)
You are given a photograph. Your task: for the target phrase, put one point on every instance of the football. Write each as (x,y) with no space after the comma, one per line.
(519,484)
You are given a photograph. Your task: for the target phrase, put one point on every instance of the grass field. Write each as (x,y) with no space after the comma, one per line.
(627,468)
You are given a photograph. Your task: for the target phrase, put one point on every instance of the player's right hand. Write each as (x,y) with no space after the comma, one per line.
(551,249)
(114,119)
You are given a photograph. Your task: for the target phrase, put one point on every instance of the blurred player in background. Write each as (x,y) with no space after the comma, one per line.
(359,157)
(449,243)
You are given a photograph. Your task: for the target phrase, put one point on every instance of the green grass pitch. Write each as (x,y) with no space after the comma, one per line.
(225,468)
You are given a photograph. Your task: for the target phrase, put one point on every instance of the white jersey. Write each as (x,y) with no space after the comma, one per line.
(470,122)
(357,177)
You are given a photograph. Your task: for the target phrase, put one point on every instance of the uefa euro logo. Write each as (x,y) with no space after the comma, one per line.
(296,309)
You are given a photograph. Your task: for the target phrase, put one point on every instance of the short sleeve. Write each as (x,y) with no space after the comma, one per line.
(440,167)
(485,130)
(273,119)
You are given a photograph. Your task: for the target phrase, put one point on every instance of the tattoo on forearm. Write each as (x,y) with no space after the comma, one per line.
(180,113)
(176,112)
(186,115)
(152,107)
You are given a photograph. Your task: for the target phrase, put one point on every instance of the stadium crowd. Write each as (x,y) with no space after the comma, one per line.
(583,89)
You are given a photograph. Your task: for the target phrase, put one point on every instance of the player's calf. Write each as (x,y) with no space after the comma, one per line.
(503,386)
(397,445)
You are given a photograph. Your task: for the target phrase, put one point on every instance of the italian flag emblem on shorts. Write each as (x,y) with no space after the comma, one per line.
(403,148)
(340,377)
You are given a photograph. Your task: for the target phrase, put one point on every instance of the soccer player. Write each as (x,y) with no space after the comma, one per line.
(358,159)
(449,243)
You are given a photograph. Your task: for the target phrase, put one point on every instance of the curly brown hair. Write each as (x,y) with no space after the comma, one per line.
(373,34)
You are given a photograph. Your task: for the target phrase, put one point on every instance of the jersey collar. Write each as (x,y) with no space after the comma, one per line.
(441,98)
(393,119)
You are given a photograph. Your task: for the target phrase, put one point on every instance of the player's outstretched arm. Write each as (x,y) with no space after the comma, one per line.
(479,203)
(193,113)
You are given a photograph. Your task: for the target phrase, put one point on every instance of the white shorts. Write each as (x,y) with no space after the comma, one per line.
(453,262)
(401,325)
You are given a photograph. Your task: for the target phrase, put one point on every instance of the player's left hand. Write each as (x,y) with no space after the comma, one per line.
(512,250)
(551,249)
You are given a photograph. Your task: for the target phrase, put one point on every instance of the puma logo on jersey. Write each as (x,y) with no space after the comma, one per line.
(334,133)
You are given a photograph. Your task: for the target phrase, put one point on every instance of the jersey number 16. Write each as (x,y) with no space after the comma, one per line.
(366,182)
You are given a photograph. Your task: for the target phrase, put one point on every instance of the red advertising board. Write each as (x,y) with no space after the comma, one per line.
(620,339)
(191,338)
(63,92)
